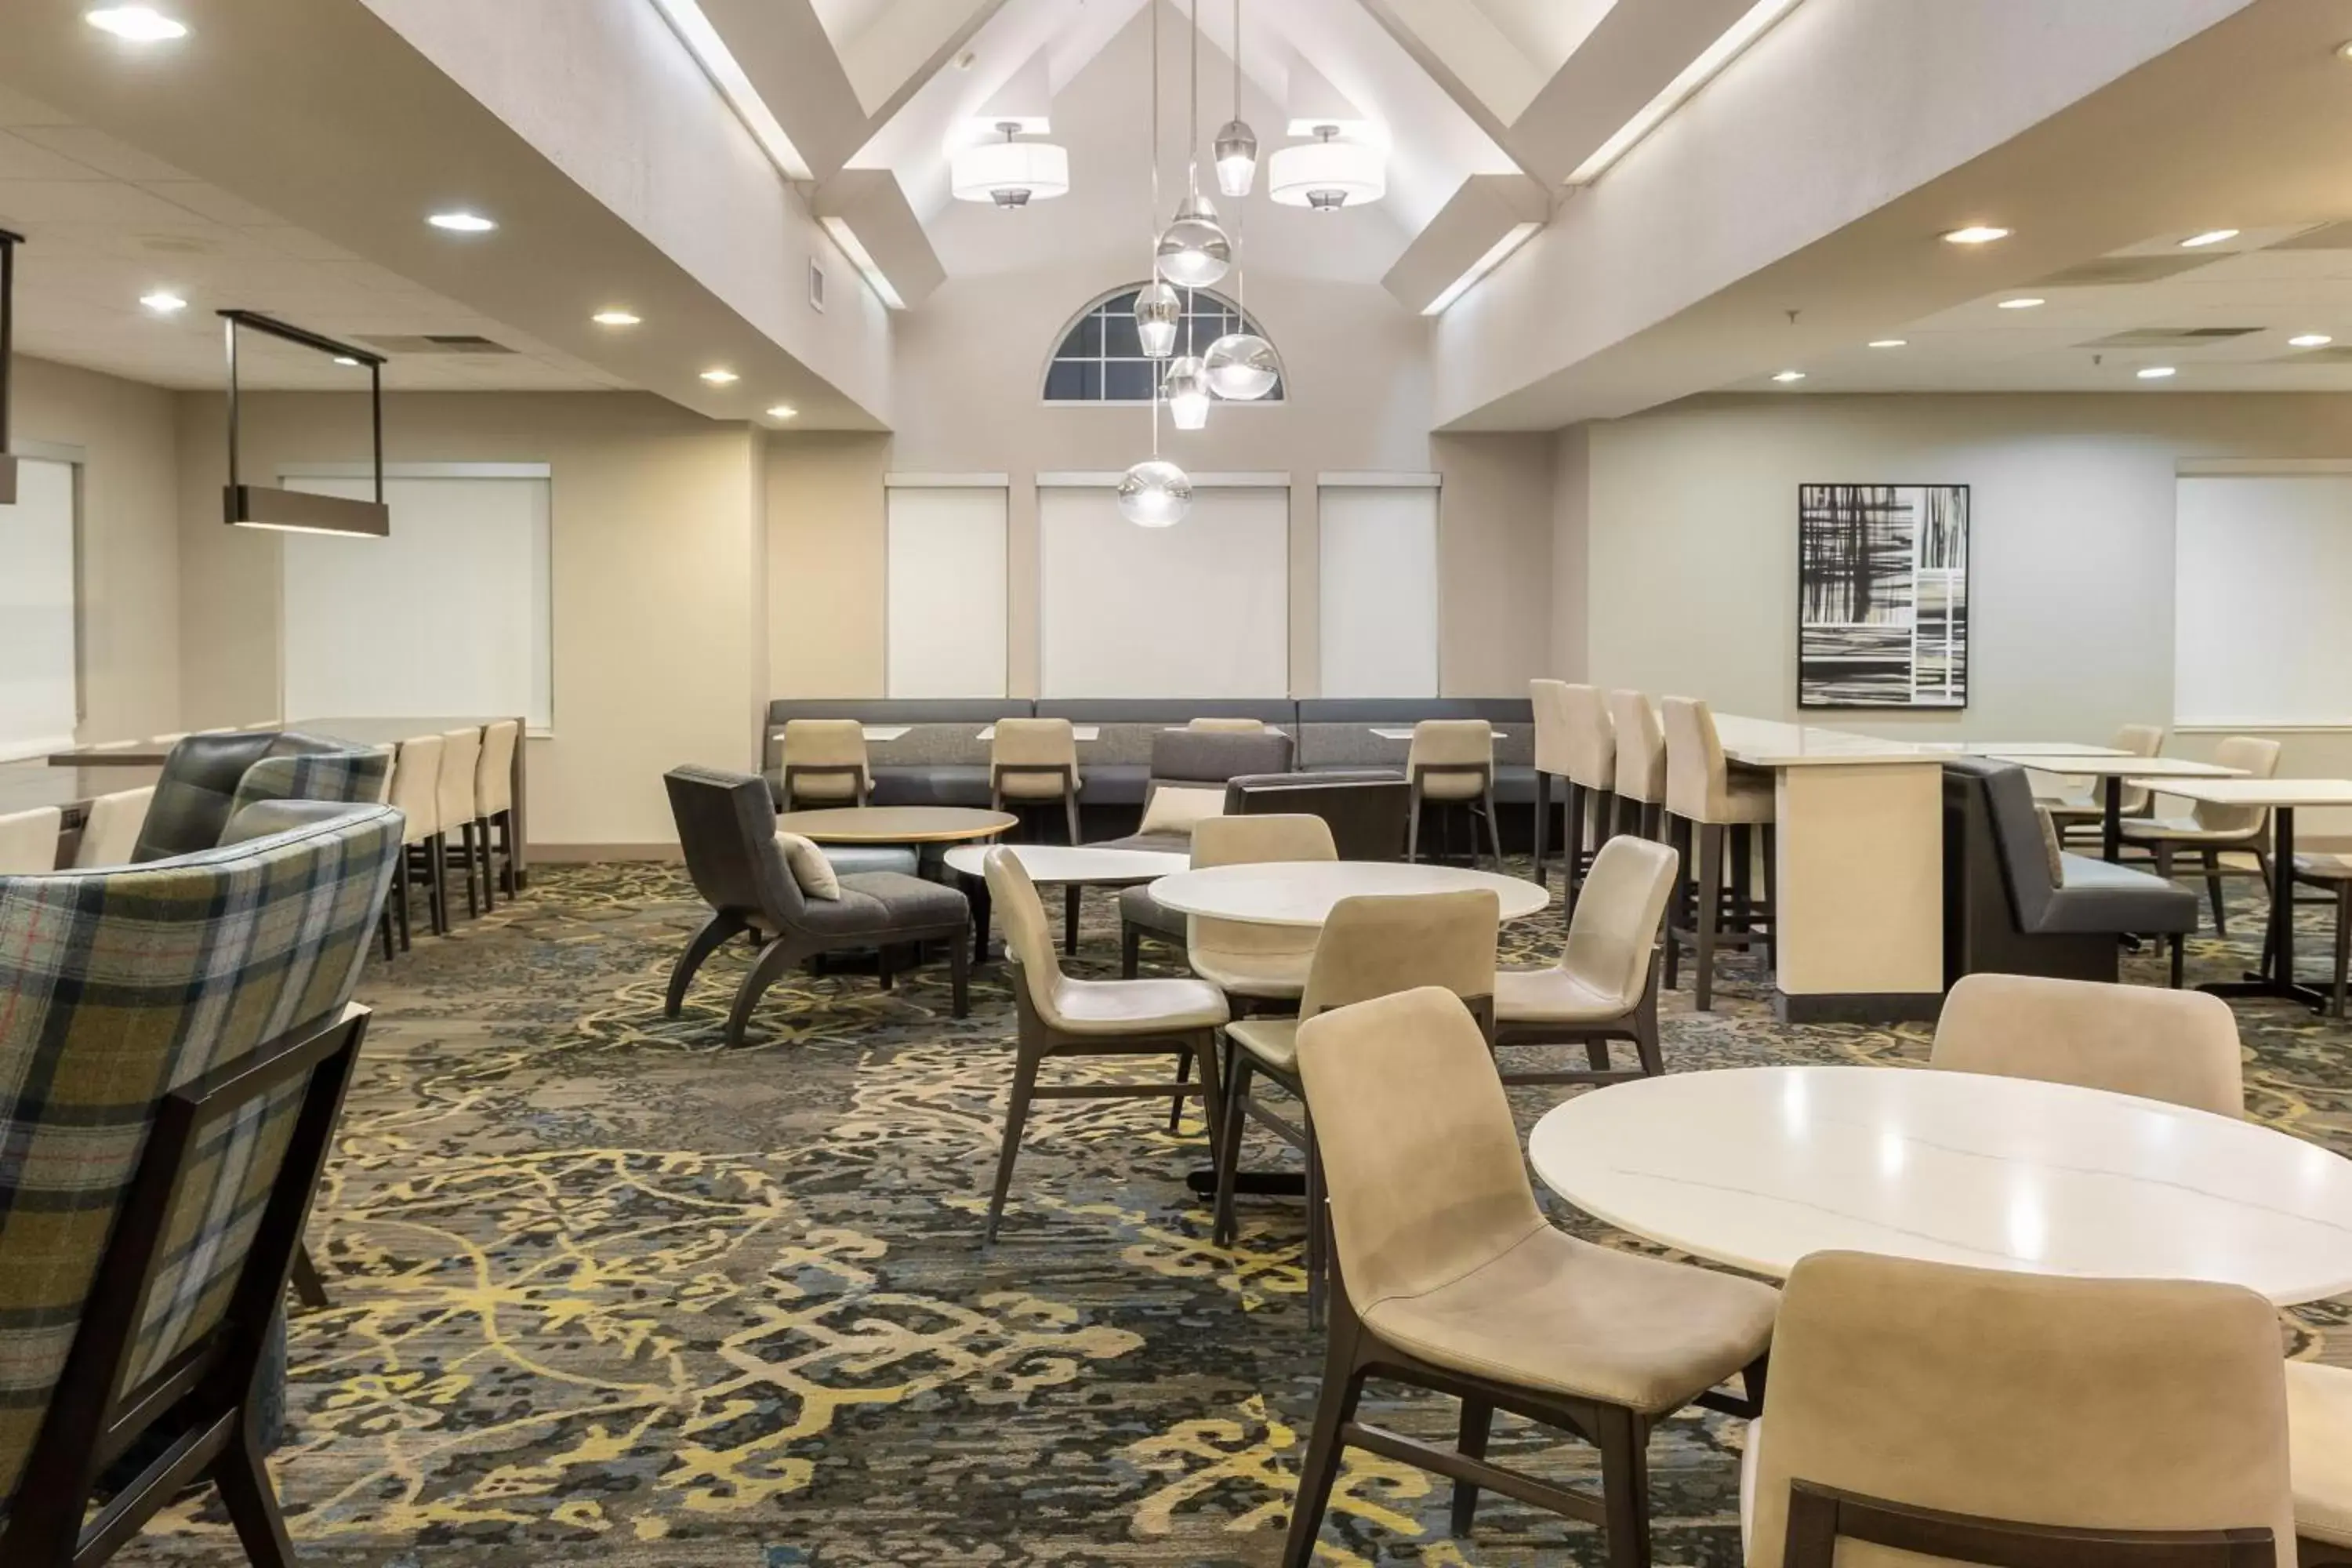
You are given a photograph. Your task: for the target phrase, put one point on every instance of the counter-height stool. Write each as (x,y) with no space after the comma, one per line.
(1584,746)
(2084,812)
(1710,802)
(1605,985)
(417,794)
(1638,771)
(1549,702)
(28,841)
(461,750)
(494,803)
(824,764)
(110,834)
(1034,761)
(2213,831)
(1452,762)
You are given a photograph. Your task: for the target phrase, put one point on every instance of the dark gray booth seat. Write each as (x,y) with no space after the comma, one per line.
(1198,759)
(1336,732)
(2002,910)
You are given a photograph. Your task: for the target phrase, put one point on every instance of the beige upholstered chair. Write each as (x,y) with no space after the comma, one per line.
(1708,802)
(2214,831)
(2081,810)
(824,764)
(2175,1045)
(461,750)
(1550,703)
(110,832)
(2319,1460)
(2333,873)
(1450,1280)
(494,801)
(1254,963)
(1640,766)
(28,840)
(1242,726)
(417,794)
(1593,783)
(1451,761)
(2027,1399)
(1369,947)
(1605,985)
(1058,1017)
(1032,761)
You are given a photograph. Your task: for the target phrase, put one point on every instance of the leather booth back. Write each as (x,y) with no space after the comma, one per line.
(198,787)
(1366,810)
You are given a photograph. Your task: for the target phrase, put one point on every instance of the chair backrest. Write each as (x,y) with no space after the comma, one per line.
(1697,777)
(461,750)
(2140,740)
(197,789)
(1421,1158)
(1452,744)
(2113,1403)
(1591,739)
(117,988)
(2016,835)
(2258,759)
(1555,716)
(1033,748)
(416,786)
(1235,725)
(1613,929)
(357,777)
(1253,840)
(1365,808)
(1640,747)
(2175,1045)
(824,744)
(494,775)
(110,834)
(28,840)
(1027,936)
(727,828)
(1373,946)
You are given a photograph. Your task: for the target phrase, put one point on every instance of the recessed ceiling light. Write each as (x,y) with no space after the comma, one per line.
(139,24)
(462,223)
(1888,342)
(164,302)
(1788,376)
(1975,233)
(720,377)
(2155,371)
(2210,236)
(784,411)
(615,319)
(2309,341)
(2027,303)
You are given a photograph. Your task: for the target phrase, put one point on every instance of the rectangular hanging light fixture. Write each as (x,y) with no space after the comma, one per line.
(296,511)
(9,241)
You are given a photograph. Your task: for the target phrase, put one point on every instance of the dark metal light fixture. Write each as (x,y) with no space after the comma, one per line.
(262,506)
(8,244)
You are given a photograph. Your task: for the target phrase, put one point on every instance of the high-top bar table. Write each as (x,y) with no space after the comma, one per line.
(2113,768)
(2279,797)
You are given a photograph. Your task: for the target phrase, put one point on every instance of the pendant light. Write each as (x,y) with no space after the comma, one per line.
(1193,252)
(1236,142)
(1188,392)
(1239,366)
(1155,493)
(1157,310)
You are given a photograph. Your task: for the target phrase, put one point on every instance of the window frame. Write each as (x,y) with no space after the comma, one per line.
(1069,329)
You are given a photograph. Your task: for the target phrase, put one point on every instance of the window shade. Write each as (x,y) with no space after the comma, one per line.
(1379,592)
(40,703)
(945,620)
(2263,570)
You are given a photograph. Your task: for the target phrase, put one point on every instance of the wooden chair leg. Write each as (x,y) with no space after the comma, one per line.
(251,1501)
(2212,859)
(2343,942)
(481,829)
(884,969)
(1710,911)
(1542,822)
(384,930)
(705,941)
(958,980)
(1342,1387)
(1130,950)
(776,957)
(1625,1485)
(309,1289)
(399,899)
(1478,1425)
(1183,1074)
(506,838)
(1229,1141)
(1646,1027)
(1319,1229)
(1413,823)
(1070,810)
(1016,1117)
(438,869)
(2179,942)
(1070,918)
(1494,827)
(466,865)
(1771,871)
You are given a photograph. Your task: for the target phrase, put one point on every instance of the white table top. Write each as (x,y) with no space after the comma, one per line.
(2022,749)
(2116,765)
(1301,892)
(1768,743)
(1064,864)
(1077,732)
(886,732)
(2262,792)
(1756,1167)
(1388,732)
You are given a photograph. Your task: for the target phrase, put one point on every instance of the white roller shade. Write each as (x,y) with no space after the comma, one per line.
(945,568)
(39,704)
(1379,590)
(2263,570)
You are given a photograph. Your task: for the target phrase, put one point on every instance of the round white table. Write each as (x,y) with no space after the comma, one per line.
(1301,892)
(1066,865)
(1756,1167)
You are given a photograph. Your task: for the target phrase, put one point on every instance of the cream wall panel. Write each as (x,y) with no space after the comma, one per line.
(1495,570)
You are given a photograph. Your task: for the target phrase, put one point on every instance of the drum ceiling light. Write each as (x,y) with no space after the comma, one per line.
(1327,174)
(1011,173)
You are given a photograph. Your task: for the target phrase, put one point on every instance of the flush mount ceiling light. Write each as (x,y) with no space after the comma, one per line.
(1327,174)
(2027,303)
(164,302)
(139,23)
(2210,236)
(720,377)
(616,318)
(1158,308)
(1889,343)
(2156,372)
(1236,142)
(2309,341)
(1010,174)
(1975,233)
(462,223)
(1786,376)
(784,411)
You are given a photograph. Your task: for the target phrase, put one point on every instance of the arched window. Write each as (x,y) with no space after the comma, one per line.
(1101,359)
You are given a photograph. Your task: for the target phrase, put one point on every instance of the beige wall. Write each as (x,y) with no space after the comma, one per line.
(824,564)
(659,601)
(1495,562)
(130,539)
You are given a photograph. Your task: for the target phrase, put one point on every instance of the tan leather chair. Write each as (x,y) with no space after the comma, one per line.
(1254,963)
(1059,1016)
(1710,801)
(110,832)
(1239,726)
(2180,1047)
(1367,947)
(461,750)
(1640,771)
(2334,873)
(1032,761)
(1450,1280)
(2214,831)
(2319,1460)
(824,764)
(2086,810)
(28,840)
(1605,985)
(494,801)
(417,794)
(2022,1403)
(1451,761)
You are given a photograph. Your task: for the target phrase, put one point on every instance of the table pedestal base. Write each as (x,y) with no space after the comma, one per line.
(1858,1006)
(1260,1184)
(2276,980)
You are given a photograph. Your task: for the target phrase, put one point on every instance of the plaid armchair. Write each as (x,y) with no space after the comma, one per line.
(129,995)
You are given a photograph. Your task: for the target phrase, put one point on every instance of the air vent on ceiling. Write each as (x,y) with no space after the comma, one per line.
(439,343)
(2169,337)
(2326,236)
(2110,270)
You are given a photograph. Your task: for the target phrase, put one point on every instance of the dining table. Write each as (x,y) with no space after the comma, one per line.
(2275,978)
(1301,892)
(2114,770)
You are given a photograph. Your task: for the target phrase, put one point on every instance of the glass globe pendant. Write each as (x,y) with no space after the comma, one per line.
(1158,308)
(1241,367)
(1155,493)
(1187,391)
(1193,252)
(1236,158)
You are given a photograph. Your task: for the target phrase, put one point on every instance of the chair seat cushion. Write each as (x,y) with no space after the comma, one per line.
(1137,907)
(1272,1042)
(1136,1006)
(1559,1313)
(1279,977)
(2099,897)
(2323,868)
(2319,1450)
(855,860)
(909,903)
(1551,996)
(2184,830)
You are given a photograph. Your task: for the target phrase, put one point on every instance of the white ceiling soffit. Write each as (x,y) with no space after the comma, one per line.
(1816,174)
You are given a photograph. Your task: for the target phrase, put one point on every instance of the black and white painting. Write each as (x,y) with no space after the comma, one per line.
(1883,596)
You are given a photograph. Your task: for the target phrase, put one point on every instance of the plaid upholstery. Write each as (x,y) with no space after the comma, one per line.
(117,985)
(356,776)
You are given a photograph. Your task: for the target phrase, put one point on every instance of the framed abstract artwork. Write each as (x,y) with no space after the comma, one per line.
(1883,596)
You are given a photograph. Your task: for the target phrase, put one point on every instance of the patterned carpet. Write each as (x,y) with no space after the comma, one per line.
(606,1294)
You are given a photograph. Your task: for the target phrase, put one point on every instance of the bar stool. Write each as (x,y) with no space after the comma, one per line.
(1032,761)
(1710,800)
(1453,761)
(461,751)
(1639,776)
(28,841)
(825,763)
(1550,700)
(417,794)
(110,832)
(1590,738)
(494,801)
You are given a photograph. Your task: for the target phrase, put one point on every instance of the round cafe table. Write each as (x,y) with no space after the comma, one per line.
(1071,866)
(1301,892)
(895,823)
(1756,1167)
